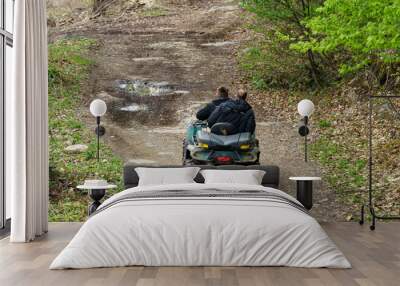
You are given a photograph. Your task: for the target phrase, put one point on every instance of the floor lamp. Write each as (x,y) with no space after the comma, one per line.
(305,108)
(370,204)
(98,108)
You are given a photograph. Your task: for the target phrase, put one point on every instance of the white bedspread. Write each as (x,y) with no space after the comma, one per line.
(202,232)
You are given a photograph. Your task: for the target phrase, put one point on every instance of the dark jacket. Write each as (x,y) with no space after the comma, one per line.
(237,112)
(206,111)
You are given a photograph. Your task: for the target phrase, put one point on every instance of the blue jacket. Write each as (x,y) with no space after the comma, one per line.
(237,112)
(206,111)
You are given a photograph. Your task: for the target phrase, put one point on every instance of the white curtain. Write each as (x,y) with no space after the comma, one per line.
(27,124)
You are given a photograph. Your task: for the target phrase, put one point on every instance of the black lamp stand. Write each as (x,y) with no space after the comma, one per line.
(305,140)
(100,131)
(370,204)
(98,138)
(304,131)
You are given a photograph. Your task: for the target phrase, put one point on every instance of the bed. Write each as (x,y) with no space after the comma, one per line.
(201,224)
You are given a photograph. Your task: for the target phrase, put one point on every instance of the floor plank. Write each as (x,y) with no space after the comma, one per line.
(375,257)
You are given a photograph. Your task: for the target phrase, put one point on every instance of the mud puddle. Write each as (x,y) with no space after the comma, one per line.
(135,88)
(151,103)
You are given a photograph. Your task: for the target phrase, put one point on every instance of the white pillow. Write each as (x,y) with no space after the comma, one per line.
(166,176)
(247,177)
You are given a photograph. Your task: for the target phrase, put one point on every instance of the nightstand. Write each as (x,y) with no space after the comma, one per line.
(96,193)
(305,190)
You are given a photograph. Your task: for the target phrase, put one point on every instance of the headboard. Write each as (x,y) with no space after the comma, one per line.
(270,179)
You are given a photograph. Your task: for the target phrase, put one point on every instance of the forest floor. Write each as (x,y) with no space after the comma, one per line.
(156,64)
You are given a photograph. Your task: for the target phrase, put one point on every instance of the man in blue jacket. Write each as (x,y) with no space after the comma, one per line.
(221,96)
(237,111)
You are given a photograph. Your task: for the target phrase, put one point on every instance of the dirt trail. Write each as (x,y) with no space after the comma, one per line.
(155,72)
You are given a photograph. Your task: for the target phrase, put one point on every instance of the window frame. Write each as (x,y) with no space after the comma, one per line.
(6,39)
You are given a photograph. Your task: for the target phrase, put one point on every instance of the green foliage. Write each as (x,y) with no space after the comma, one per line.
(281,23)
(368,30)
(282,11)
(360,38)
(69,66)
(269,64)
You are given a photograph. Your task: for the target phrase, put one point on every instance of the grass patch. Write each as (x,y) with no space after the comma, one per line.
(69,66)
(344,171)
(323,123)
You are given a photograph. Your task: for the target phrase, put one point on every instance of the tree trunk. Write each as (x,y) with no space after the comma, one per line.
(314,68)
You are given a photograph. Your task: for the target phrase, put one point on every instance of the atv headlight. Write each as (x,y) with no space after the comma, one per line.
(203,145)
(245,146)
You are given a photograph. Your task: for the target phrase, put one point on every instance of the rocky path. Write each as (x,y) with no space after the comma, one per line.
(155,72)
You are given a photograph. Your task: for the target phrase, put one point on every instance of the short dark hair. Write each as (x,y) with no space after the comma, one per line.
(222,91)
(242,94)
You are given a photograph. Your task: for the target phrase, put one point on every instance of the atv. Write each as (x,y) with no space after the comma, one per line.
(219,146)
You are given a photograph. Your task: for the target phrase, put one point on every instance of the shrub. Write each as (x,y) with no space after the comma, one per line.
(282,23)
(270,64)
(368,31)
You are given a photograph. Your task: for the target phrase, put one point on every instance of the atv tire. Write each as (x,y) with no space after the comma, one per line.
(186,158)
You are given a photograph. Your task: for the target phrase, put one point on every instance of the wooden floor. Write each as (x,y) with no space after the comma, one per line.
(375,257)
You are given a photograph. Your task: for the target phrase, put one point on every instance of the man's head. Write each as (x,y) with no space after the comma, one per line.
(242,94)
(222,92)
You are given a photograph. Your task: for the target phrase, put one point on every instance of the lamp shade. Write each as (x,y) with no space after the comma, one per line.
(305,107)
(98,107)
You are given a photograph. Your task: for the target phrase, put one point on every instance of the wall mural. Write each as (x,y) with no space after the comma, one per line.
(156,63)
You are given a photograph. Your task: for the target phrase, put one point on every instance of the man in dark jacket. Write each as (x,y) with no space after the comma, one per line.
(221,96)
(237,111)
